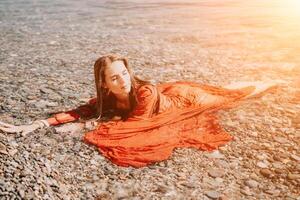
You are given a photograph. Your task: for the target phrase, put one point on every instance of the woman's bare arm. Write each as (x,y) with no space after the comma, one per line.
(85,111)
(82,112)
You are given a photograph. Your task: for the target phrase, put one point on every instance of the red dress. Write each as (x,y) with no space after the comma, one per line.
(186,118)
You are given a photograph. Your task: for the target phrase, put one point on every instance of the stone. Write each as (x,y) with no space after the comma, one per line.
(162,189)
(219,180)
(222,164)
(14,164)
(278,165)
(72,128)
(254,133)
(214,183)
(254,176)
(21,193)
(261,156)
(121,193)
(266,173)
(282,140)
(246,192)
(12,152)
(213,194)
(89,186)
(52,104)
(216,173)
(279,171)
(295,157)
(293,176)
(102,195)
(234,164)
(94,162)
(48,166)
(53,42)
(215,154)
(262,164)
(41,104)
(3,149)
(273,192)
(251,183)
(46,90)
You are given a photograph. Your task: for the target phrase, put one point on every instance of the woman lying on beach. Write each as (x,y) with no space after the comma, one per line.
(153,120)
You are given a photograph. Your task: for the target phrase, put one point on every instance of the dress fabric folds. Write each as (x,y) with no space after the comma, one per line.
(186,118)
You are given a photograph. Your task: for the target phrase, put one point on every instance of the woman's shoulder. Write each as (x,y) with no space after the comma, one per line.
(146,90)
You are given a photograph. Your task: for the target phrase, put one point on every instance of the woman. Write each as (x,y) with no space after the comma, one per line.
(153,120)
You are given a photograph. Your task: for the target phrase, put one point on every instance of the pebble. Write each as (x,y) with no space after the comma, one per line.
(282,140)
(213,194)
(273,192)
(216,172)
(221,163)
(21,193)
(246,192)
(254,133)
(94,162)
(266,173)
(219,180)
(63,188)
(278,165)
(295,157)
(121,193)
(12,152)
(162,189)
(52,104)
(46,90)
(234,165)
(278,158)
(262,165)
(215,154)
(251,183)
(3,149)
(279,171)
(89,186)
(293,176)
(53,42)
(214,182)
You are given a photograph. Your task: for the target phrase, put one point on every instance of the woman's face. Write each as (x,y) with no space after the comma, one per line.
(117,78)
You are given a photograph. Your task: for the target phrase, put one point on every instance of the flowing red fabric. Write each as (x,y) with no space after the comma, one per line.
(187,117)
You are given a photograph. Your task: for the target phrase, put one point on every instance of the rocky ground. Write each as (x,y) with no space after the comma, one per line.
(46,65)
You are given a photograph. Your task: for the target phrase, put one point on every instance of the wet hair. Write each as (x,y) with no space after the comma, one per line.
(106,102)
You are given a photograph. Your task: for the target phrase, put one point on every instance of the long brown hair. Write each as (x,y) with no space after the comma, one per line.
(105,101)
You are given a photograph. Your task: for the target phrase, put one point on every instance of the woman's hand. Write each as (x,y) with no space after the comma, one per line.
(23,129)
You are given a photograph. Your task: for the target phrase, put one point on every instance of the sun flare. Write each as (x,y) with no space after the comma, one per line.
(291,7)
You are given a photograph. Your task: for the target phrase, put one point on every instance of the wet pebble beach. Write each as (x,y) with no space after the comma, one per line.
(47,52)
